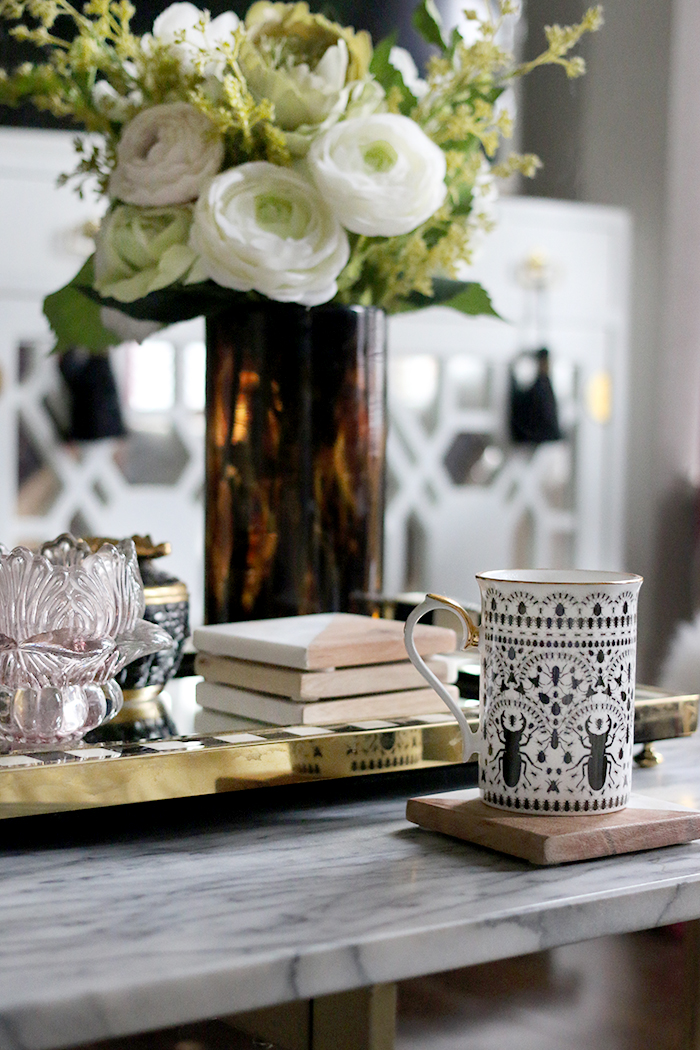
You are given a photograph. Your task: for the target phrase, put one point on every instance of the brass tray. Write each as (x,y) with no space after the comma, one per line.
(89,776)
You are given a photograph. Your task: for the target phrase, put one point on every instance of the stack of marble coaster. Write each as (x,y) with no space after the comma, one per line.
(323,669)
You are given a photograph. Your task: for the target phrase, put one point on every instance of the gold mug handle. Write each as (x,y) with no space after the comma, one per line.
(469,636)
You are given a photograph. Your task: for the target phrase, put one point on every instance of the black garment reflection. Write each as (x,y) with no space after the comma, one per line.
(534,417)
(95,410)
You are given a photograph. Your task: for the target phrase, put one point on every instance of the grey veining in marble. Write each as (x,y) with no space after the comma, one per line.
(112,938)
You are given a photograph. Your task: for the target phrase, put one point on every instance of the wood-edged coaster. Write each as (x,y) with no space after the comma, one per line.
(276,710)
(311,686)
(318,641)
(646,823)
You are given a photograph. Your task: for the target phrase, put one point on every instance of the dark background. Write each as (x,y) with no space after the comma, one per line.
(550,104)
(380,19)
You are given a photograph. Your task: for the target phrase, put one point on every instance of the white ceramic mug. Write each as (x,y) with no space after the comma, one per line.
(556,696)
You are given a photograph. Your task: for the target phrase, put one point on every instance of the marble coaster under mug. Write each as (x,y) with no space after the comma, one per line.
(646,823)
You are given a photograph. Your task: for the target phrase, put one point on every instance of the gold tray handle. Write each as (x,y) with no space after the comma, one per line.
(469,636)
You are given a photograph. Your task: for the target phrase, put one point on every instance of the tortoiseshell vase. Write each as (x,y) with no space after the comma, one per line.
(295,455)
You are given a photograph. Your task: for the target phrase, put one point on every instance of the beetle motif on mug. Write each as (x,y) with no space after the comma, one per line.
(558,688)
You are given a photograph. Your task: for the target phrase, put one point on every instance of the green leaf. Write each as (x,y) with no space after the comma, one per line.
(427,22)
(436,233)
(474,300)
(388,76)
(380,58)
(492,96)
(455,40)
(463,204)
(177,302)
(466,296)
(469,144)
(75,318)
(74,310)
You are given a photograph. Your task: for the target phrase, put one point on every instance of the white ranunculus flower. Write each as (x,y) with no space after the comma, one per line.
(139,250)
(381,174)
(189,31)
(165,156)
(264,228)
(402,60)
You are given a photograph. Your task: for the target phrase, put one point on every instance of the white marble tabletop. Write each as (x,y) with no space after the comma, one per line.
(176,923)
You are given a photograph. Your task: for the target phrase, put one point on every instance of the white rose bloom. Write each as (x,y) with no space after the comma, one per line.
(165,156)
(264,228)
(189,31)
(381,174)
(402,60)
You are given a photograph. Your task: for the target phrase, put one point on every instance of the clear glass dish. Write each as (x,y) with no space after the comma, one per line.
(69,621)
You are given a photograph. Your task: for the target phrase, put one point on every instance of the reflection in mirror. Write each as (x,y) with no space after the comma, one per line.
(557,476)
(194,376)
(470,377)
(148,381)
(416,542)
(38,485)
(524,539)
(148,480)
(414,381)
(465,454)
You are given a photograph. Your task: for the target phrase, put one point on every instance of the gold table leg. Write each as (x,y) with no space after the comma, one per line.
(691,982)
(362,1019)
(648,757)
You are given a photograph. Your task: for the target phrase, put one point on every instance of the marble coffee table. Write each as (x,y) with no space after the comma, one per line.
(109,933)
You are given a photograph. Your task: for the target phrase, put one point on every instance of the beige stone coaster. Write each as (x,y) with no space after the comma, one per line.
(318,685)
(647,823)
(320,640)
(404,703)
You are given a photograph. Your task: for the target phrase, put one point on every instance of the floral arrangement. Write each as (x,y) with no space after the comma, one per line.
(278,156)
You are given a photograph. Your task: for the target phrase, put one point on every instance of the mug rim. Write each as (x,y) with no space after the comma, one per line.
(559,577)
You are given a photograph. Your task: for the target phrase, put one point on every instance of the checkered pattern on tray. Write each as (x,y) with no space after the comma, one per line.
(149,748)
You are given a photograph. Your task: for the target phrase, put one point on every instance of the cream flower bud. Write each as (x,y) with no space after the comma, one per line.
(301,95)
(125,328)
(381,175)
(165,156)
(115,106)
(264,228)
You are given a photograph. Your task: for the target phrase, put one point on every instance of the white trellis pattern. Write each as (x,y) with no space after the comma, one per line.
(460,497)
(463,498)
(112,487)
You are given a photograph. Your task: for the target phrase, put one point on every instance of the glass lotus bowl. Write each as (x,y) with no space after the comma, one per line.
(70,620)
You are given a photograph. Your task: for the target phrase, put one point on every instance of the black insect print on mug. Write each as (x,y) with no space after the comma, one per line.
(599,759)
(513,733)
(597,730)
(511,760)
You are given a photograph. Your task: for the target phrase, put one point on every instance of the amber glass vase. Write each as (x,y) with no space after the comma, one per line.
(295,454)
